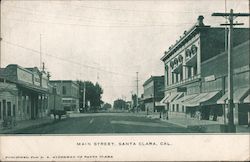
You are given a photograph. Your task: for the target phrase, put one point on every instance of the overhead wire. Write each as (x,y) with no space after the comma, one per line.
(78,17)
(125,9)
(66,60)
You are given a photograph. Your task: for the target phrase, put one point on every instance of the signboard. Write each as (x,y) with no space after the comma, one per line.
(209,78)
(181,89)
(24,76)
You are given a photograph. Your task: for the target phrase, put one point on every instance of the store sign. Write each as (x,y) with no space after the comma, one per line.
(36,79)
(181,89)
(209,78)
(24,76)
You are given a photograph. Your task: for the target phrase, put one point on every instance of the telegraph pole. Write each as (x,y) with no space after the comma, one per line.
(137,100)
(230,16)
(0,39)
(40,51)
(84,93)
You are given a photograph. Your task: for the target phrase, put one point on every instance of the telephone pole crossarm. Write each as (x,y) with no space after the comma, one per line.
(231,14)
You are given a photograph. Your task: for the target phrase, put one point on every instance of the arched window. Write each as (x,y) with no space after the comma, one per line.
(193,49)
(180,58)
(188,53)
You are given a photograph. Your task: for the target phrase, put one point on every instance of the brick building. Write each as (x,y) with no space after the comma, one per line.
(196,69)
(153,93)
(69,91)
(23,92)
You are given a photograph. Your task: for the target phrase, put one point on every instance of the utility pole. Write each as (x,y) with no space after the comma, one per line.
(137,89)
(0,38)
(40,51)
(230,16)
(84,93)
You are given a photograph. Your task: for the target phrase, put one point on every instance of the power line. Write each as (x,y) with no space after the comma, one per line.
(62,59)
(88,25)
(123,9)
(89,19)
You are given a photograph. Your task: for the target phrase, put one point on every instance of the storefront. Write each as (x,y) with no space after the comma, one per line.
(24,93)
(8,99)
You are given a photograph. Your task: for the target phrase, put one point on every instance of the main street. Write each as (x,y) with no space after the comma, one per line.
(105,123)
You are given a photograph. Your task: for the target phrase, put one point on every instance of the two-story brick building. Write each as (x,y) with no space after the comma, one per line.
(69,91)
(190,85)
(24,92)
(153,93)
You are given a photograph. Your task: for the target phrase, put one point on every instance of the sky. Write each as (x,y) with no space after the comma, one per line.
(102,41)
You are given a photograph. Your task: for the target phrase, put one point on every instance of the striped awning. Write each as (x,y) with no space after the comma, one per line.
(183,99)
(173,96)
(202,99)
(247,99)
(162,101)
(239,96)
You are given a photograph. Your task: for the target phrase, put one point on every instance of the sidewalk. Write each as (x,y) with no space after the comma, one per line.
(204,126)
(27,124)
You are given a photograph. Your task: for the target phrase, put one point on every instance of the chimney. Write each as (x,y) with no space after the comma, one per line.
(200,20)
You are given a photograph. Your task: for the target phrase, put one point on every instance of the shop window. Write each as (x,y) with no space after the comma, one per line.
(64,90)
(177,107)
(4,108)
(195,69)
(9,108)
(173,108)
(172,78)
(14,110)
(181,75)
(177,77)
(0,110)
(189,72)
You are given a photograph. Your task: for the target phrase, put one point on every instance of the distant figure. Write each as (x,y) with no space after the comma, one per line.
(165,116)
(147,110)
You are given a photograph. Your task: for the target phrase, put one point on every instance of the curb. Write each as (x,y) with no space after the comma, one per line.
(14,131)
(169,121)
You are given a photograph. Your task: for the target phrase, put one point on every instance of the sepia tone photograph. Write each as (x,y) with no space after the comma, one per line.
(104,67)
(121,68)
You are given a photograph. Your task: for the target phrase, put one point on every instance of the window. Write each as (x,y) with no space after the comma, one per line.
(176,77)
(63,90)
(189,71)
(9,108)
(181,75)
(0,110)
(4,108)
(177,108)
(173,108)
(14,110)
(183,109)
(172,78)
(195,70)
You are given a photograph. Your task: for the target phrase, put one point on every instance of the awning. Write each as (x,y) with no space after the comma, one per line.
(247,99)
(34,88)
(184,98)
(162,101)
(223,99)
(159,104)
(202,99)
(173,96)
(238,96)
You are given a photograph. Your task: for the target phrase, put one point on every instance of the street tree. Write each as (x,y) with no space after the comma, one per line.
(93,95)
(107,106)
(120,104)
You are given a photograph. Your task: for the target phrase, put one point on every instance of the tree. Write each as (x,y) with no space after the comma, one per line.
(120,104)
(107,106)
(93,94)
